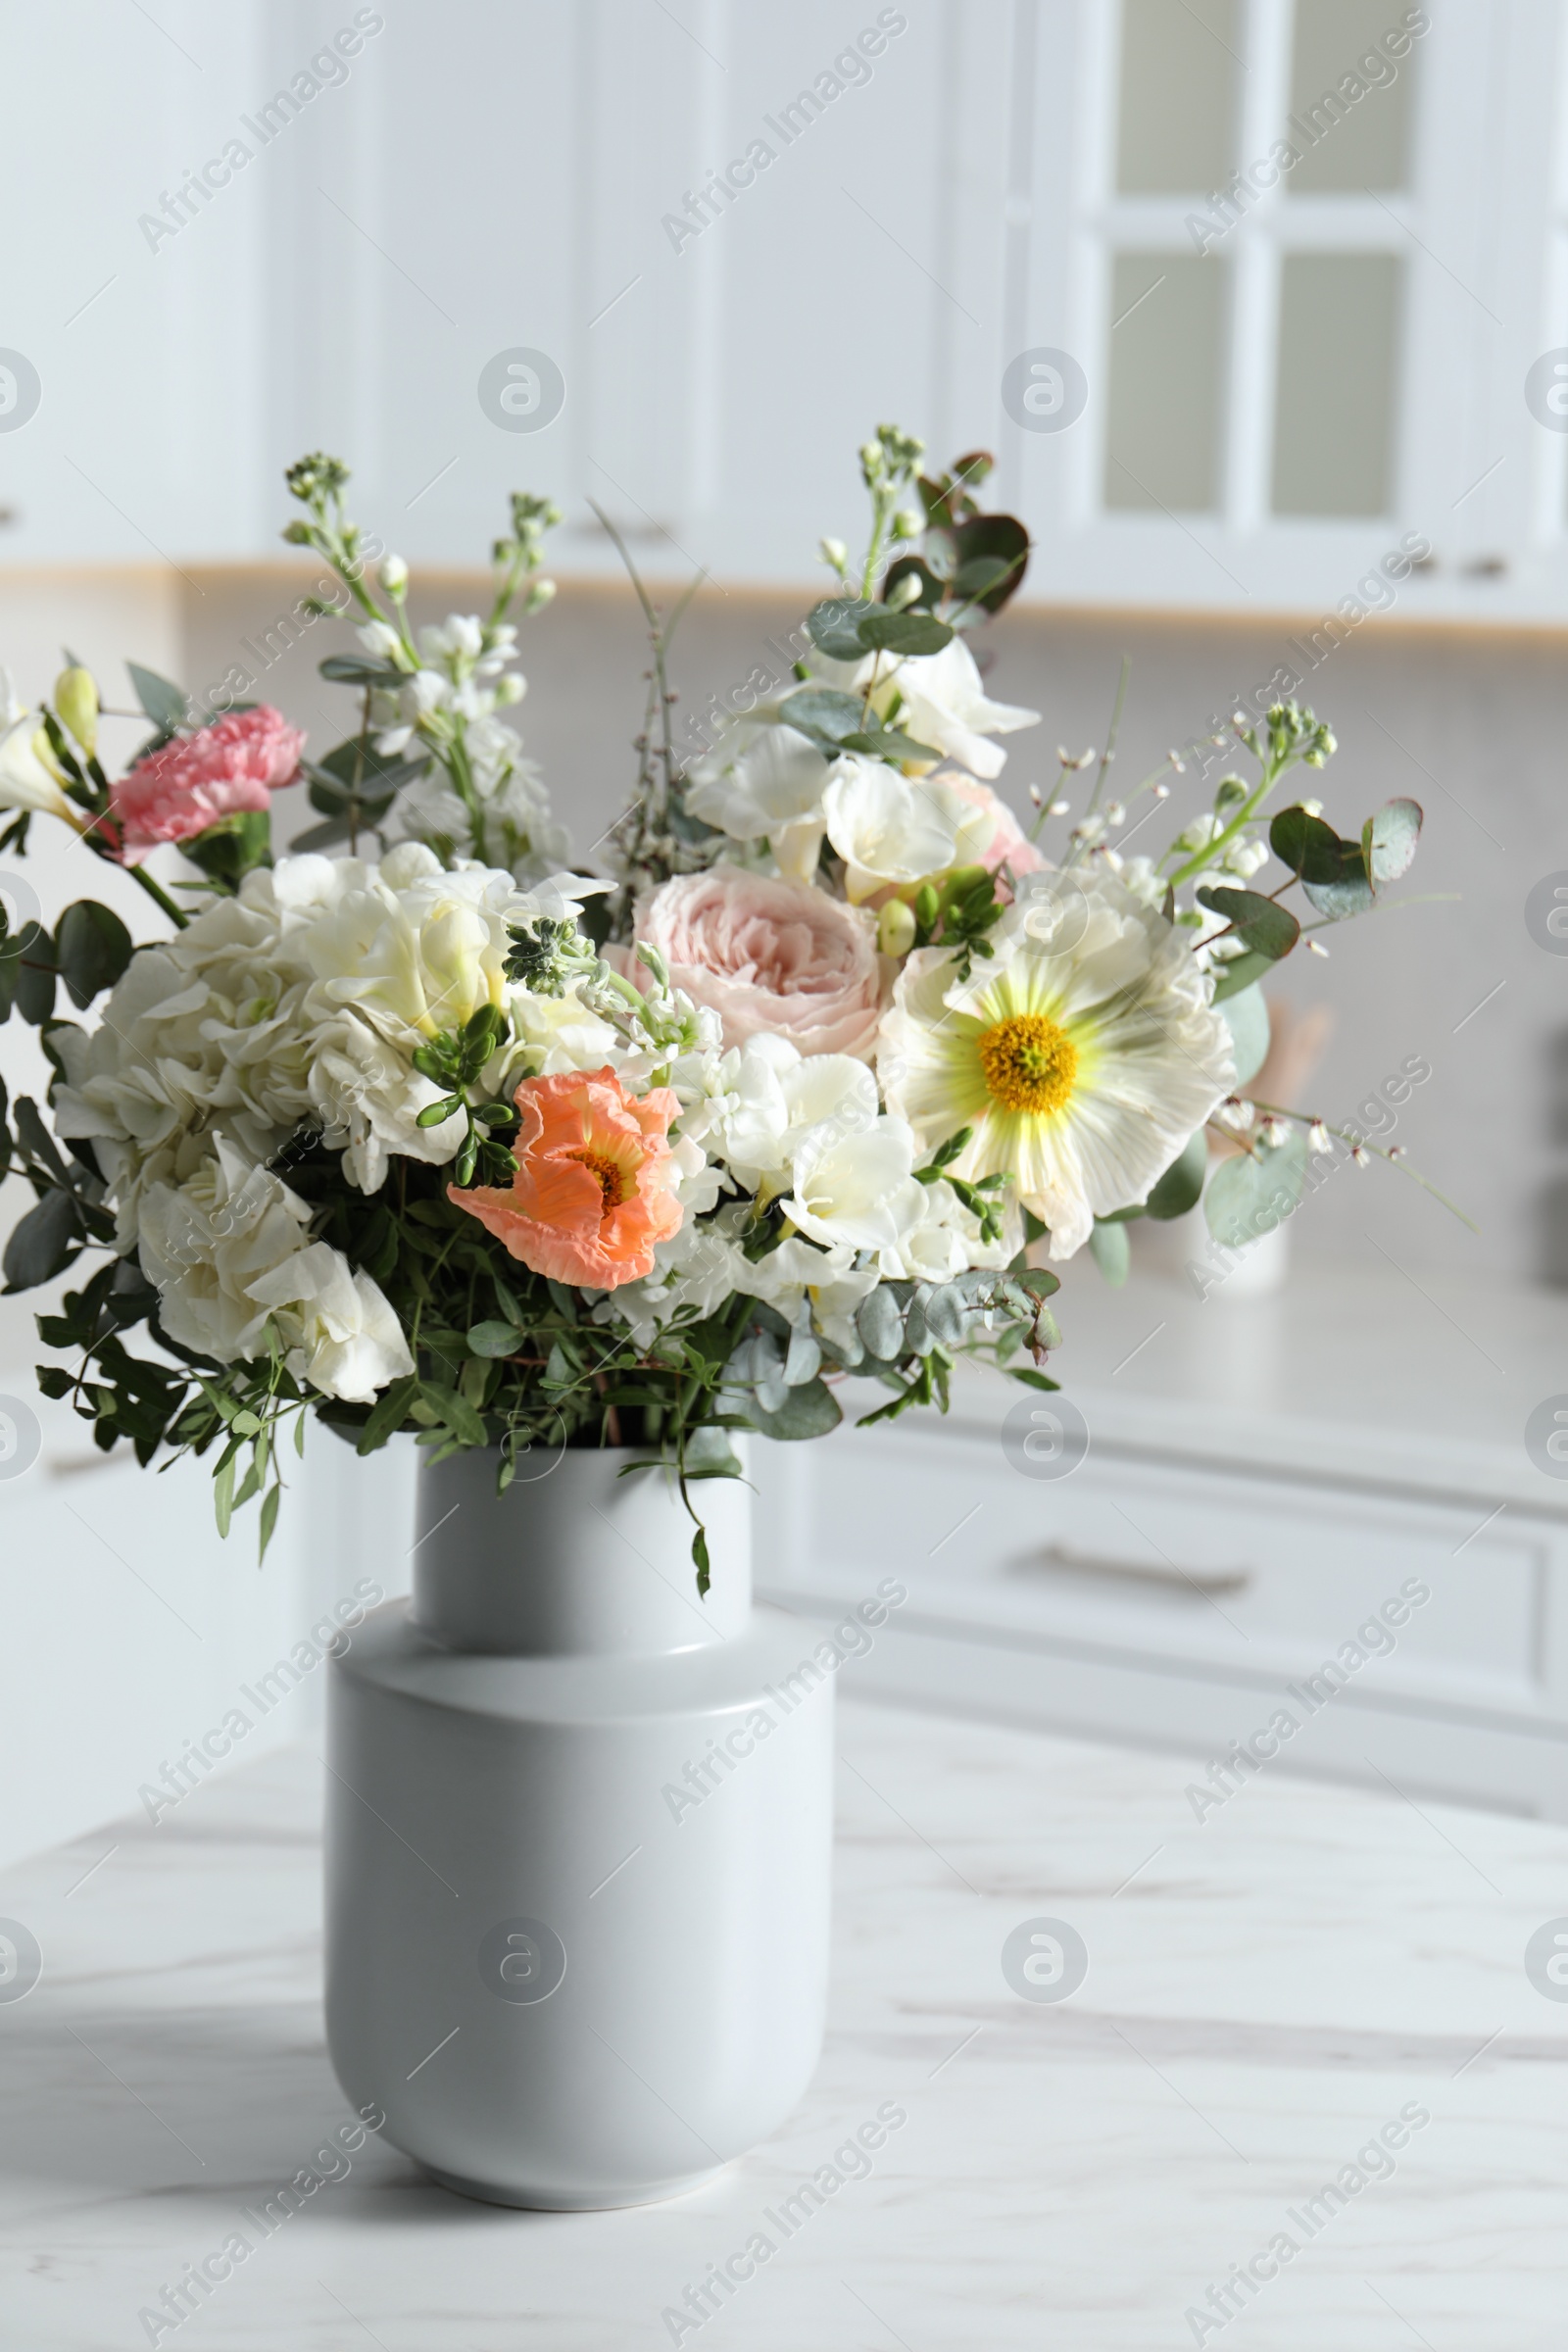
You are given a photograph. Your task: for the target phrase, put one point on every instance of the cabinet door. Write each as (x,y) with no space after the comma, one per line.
(134,378)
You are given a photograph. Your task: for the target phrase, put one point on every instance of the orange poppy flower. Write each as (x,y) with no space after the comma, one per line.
(591,1195)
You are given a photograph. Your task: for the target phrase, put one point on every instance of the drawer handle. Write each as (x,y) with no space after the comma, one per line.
(1204,1581)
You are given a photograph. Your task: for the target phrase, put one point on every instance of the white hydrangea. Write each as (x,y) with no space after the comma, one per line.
(301,1000)
(230,1253)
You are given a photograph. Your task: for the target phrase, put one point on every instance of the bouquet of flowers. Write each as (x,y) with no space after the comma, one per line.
(414,1128)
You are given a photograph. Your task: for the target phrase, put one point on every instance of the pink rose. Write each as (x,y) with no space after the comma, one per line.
(197,780)
(778,958)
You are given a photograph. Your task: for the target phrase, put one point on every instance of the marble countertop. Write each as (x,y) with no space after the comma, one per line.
(1268,1992)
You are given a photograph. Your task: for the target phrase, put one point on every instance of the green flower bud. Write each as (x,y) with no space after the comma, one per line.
(394,575)
(894,929)
(76,701)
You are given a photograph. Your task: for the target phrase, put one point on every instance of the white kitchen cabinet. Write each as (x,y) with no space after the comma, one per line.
(1272,1486)
(742,237)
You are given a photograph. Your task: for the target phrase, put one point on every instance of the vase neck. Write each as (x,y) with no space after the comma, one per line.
(577,1561)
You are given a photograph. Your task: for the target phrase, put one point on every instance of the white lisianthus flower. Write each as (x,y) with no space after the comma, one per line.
(764,779)
(338,1330)
(857,1190)
(201,1244)
(1081,1056)
(889,827)
(228,1254)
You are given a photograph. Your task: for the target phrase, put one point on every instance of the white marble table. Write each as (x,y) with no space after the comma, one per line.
(1265,1993)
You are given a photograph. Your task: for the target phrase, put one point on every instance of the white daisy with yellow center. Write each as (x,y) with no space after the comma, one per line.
(1082,1054)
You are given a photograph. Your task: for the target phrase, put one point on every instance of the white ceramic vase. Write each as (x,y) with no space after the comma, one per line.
(578,1841)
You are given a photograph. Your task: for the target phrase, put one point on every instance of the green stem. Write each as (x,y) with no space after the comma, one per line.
(156,891)
(1217,847)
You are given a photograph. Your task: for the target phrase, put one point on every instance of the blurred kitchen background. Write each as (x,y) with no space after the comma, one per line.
(1262,307)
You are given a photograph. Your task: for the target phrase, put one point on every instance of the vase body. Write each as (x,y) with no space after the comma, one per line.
(578,1841)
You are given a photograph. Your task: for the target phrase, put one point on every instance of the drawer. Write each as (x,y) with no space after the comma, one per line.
(1241,1574)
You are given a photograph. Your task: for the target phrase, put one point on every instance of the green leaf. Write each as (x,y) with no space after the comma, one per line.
(1239,973)
(228,850)
(810,1412)
(834,625)
(1250,1195)
(914,568)
(880,1324)
(1388,840)
(34,969)
(1349,893)
(1112,1251)
(387,1414)
(164,701)
(887,743)
(224,1492)
(1264,928)
(36,1141)
(92,948)
(1247,1016)
(822,711)
(1306,845)
(884,632)
(1032,1379)
(268,1520)
(495,1338)
(455,1411)
(700,1559)
(1000,537)
(326,835)
(972,580)
(359,669)
(1181,1187)
(355,765)
(41,1244)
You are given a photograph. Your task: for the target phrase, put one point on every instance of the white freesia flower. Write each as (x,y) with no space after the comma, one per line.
(889,827)
(25,781)
(938,699)
(1081,1056)
(946,706)
(857,1190)
(796,1271)
(764,779)
(946,1240)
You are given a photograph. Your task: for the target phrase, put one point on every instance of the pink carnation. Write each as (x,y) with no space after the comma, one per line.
(197,780)
(769,957)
